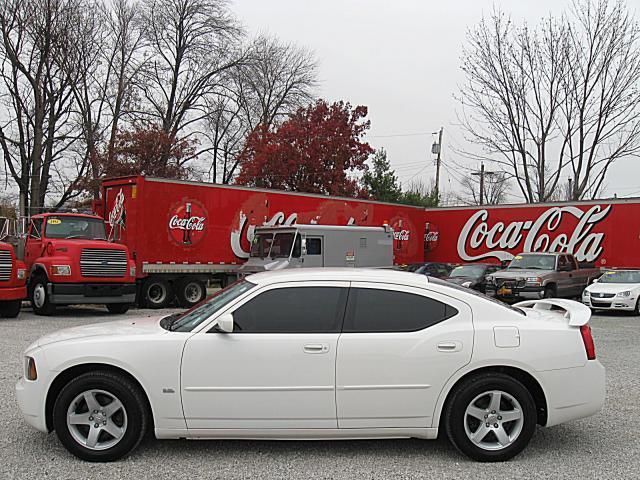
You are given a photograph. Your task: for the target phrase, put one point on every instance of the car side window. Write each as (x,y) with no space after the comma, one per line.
(314,246)
(372,310)
(292,310)
(36,228)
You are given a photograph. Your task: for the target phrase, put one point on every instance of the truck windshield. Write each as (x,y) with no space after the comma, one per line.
(187,321)
(533,262)
(75,227)
(273,245)
(628,276)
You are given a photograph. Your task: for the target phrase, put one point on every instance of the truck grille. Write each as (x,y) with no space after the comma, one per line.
(603,295)
(6,265)
(101,262)
(509,282)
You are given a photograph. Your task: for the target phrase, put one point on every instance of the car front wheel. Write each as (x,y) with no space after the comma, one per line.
(100,416)
(490,417)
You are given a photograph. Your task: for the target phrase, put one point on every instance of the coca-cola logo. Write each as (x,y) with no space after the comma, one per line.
(431,236)
(402,235)
(544,234)
(187,222)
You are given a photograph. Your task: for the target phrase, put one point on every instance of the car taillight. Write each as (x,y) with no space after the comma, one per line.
(587,339)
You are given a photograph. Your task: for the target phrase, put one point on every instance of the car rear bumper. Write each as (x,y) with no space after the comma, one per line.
(574,393)
(74,293)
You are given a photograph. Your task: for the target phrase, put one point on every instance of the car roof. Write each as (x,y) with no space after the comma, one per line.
(66,214)
(340,274)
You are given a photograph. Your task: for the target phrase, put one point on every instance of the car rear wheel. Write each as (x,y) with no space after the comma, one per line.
(157,293)
(490,417)
(100,416)
(39,297)
(10,308)
(190,292)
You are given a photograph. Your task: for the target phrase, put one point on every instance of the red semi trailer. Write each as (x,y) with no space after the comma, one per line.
(605,233)
(180,233)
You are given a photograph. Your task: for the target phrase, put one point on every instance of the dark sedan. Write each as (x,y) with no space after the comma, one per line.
(472,275)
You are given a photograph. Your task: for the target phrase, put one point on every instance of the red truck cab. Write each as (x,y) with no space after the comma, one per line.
(70,261)
(13,278)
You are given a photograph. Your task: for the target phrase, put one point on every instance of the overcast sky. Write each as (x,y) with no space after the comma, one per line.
(401,59)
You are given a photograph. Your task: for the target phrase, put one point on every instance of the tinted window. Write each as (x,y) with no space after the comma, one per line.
(372,310)
(314,246)
(293,310)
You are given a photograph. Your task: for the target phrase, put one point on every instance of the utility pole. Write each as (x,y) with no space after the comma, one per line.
(437,149)
(481,173)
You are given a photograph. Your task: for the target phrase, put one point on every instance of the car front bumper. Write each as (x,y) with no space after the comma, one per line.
(574,393)
(528,292)
(615,303)
(102,293)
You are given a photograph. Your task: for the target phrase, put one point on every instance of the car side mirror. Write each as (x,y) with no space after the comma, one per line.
(225,323)
(595,280)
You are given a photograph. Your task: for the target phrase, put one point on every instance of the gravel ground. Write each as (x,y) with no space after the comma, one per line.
(604,446)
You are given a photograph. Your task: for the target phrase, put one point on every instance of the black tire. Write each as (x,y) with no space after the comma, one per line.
(10,308)
(39,296)
(134,404)
(550,291)
(463,395)
(190,291)
(157,293)
(118,308)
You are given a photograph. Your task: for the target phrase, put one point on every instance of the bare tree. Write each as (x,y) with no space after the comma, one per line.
(38,77)
(563,95)
(191,43)
(600,119)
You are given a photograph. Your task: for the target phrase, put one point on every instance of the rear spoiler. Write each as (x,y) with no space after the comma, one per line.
(576,313)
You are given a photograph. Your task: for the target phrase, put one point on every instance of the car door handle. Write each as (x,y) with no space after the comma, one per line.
(449,346)
(316,348)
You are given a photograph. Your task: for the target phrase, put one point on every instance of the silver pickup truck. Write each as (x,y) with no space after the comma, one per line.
(541,275)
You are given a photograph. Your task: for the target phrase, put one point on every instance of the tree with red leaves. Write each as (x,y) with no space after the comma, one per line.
(314,151)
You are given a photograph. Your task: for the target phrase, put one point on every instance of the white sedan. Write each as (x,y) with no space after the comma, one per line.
(614,290)
(320,354)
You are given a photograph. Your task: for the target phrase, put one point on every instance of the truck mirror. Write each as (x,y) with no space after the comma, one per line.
(303,247)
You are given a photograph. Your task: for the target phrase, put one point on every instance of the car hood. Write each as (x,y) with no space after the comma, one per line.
(611,287)
(520,273)
(138,326)
(461,280)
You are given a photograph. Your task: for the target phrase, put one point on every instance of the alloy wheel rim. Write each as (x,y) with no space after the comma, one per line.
(193,292)
(39,295)
(493,420)
(97,419)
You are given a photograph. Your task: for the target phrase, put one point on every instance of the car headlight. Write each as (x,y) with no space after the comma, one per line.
(536,280)
(626,293)
(466,284)
(30,372)
(586,293)
(64,270)
(21,274)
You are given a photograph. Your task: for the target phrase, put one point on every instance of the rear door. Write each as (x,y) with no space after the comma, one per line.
(399,345)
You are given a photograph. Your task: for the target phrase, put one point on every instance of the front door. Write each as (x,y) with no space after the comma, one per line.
(276,369)
(396,352)
(34,246)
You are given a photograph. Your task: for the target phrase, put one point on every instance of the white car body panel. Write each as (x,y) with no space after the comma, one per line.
(365,385)
(612,303)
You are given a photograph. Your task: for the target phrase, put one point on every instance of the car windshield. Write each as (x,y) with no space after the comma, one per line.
(437,281)
(473,271)
(628,276)
(187,321)
(533,262)
(74,227)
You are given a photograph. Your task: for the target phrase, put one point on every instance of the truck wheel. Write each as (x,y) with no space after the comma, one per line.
(10,309)
(118,308)
(39,297)
(190,292)
(157,293)
(550,291)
